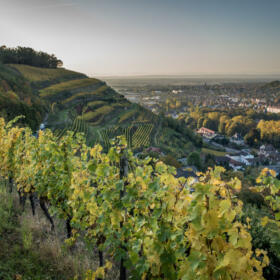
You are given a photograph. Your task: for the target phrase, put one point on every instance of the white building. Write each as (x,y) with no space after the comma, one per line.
(272,109)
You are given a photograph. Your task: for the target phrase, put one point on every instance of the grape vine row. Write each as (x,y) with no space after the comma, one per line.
(143,216)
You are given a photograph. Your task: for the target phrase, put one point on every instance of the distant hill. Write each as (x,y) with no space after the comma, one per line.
(73,101)
(272,85)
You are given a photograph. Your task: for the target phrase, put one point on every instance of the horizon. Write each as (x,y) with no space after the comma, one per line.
(149,38)
(200,75)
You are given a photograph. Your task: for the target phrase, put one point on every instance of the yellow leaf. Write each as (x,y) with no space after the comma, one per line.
(273,173)
(264,221)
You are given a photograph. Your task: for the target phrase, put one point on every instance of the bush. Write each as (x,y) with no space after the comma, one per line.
(266,238)
(194,159)
(249,197)
(170,160)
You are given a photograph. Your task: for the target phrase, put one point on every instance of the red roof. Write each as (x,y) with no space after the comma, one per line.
(205,130)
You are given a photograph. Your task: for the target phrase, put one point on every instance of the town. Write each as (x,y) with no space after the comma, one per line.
(193,101)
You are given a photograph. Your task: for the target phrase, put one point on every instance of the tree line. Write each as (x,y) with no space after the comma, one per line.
(255,127)
(28,56)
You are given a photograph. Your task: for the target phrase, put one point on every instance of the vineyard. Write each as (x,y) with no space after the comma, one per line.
(37,74)
(78,125)
(137,135)
(69,85)
(99,90)
(142,136)
(148,221)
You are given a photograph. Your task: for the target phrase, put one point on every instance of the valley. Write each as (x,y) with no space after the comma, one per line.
(138,190)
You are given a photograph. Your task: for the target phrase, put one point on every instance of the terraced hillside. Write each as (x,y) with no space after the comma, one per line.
(76,102)
(17,98)
(42,77)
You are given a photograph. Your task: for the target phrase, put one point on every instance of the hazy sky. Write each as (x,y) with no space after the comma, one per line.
(135,37)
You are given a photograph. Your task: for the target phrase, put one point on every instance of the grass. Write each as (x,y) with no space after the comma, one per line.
(37,74)
(69,85)
(213,152)
(30,251)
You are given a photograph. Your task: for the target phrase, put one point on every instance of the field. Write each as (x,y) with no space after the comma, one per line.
(213,152)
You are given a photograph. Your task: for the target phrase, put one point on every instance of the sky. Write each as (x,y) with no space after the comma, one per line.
(149,37)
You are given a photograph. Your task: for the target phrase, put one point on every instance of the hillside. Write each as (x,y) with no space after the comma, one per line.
(272,85)
(17,98)
(73,101)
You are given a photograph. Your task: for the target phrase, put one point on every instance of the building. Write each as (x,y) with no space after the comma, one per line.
(237,139)
(238,162)
(273,109)
(176,91)
(266,150)
(269,154)
(235,165)
(206,132)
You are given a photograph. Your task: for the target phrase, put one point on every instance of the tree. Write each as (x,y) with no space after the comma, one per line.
(170,160)
(200,122)
(209,123)
(252,138)
(224,120)
(28,56)
(194,159)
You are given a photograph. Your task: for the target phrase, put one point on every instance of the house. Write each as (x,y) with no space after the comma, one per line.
(245,154)
(269,153)
(238,162)
(176,91)
(273,109)
(237,139)
(235,165)
(206,132)
(240,159)
(266,150)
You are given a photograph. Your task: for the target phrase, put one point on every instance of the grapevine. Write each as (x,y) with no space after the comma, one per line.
(136,210)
